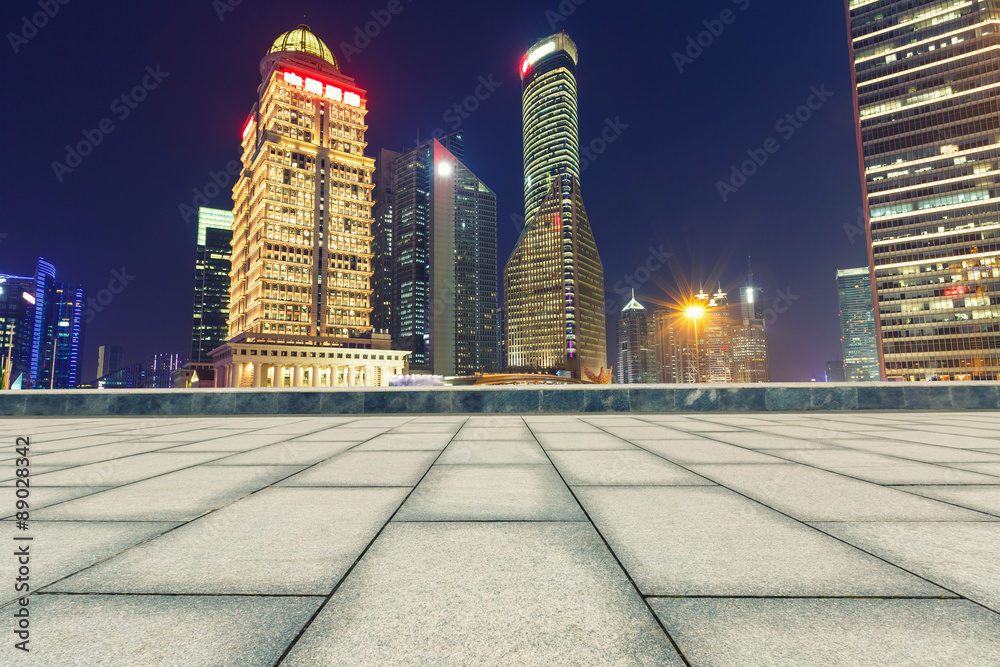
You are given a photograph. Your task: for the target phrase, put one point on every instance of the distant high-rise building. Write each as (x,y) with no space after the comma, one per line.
(444,261)
(665,337)
(716,344)
(835,371)
(857,325)
(42,327)
(159,373)
(300,288)
(131,376)
(750,359)
(211,282)
(927,106)
(554,280)
(636,345)
(110,358)
(384,196)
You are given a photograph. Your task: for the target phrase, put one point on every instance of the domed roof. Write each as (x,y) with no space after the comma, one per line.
(303,40)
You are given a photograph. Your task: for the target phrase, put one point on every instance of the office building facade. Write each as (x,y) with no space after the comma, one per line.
(554,280)
(857,325)
(927,107)
(636,345)
(300,284)
(749,337)
(110,358)
(211,283)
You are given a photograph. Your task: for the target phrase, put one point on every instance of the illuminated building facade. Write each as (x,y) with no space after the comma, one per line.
(749,339)
(554,290)
(927,104)
(300,283)
(443,283)
(857,325)
(211,283)
(549,117)
(665,336)
(17,294)
(382,240)
(636,346)
(554,280)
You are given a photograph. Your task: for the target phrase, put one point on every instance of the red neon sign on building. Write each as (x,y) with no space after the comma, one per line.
(320,89)
(956,291)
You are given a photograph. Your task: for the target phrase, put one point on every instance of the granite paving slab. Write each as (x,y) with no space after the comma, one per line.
(828,633)
(126,470)
(556,441)
(485,593)
(620,468)
(496,452)
(366,469)
(979,498)
(710,541)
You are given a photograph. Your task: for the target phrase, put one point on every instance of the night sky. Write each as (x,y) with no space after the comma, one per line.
(654,183)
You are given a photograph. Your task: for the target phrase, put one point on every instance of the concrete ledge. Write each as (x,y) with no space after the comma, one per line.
(522,400)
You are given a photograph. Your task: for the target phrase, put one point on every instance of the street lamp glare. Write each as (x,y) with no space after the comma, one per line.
(694,312)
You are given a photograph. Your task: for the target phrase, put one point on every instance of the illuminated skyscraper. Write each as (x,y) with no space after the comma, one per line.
(928,111)
(211,283)
(549,117)
(636,346)
(666,342)
(110,358)
(716,340)
(444,261)
(300,284)
(857,325)
(554,280)
(382,240)
(750,360)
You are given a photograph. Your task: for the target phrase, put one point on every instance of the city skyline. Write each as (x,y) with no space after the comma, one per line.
(627,252)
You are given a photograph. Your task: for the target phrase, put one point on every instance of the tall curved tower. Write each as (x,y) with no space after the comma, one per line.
(549,117)
(554,280)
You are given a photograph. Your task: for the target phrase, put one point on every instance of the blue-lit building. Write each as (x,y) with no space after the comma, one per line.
(45,318)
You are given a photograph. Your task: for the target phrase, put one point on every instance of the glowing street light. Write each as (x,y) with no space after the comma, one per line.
(694,313)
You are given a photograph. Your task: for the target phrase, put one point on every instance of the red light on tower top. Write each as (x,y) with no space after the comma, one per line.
(524,66)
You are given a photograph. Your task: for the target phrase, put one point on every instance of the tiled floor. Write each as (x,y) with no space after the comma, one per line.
(758,539)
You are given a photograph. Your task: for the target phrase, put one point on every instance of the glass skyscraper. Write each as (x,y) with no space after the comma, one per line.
(636,346)
(928,111)
(554,280)
(211,283)
(444,260)
(857,325)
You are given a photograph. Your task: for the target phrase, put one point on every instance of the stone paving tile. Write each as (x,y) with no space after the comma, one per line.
(96,453)
(366,469)
(41,446)
(295,541)
(557,441)
(235,443)
(703,451)
(44,496)
(494,433)
(881,469)
(620,468)
(167,631)
(753,440)
(493,452)
(828,633)
(444,427)
(645,432)
(121,471)
(962,557)
(943,439)
(980,498)
(407,441)
(711,541)
(929,453)
(808,494)
(491,493)
(985,468)
(177,496)
(70,546)
(293,452)
(343,433)
(561,426)
(493,421)
(476,594)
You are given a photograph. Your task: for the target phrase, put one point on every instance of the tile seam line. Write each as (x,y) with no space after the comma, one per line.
(611,551)
(853,546)
(305,627)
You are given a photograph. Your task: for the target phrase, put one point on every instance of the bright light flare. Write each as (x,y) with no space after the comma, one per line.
(694,312)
